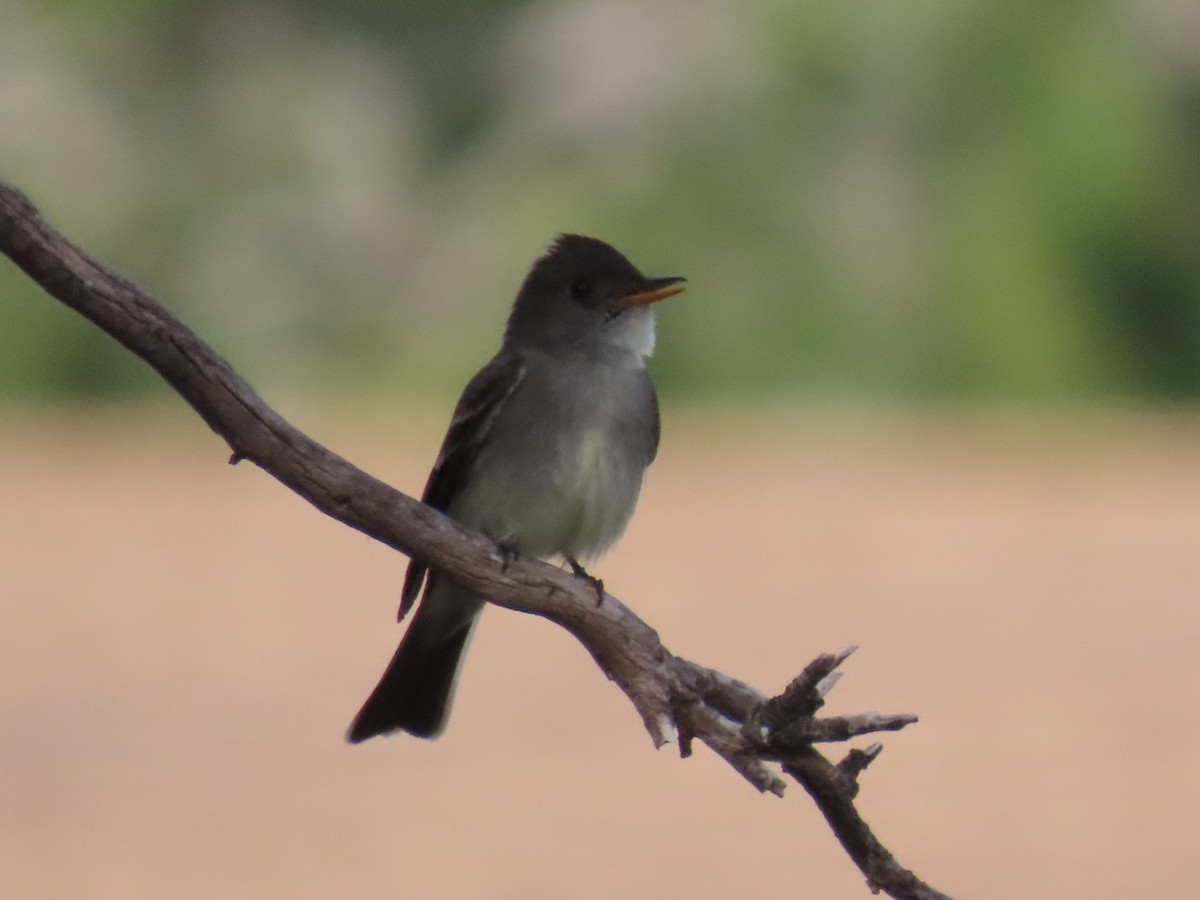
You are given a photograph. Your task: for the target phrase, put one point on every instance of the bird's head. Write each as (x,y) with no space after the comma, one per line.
(584,294)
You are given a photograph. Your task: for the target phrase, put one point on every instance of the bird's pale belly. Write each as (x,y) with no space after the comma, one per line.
(574,499)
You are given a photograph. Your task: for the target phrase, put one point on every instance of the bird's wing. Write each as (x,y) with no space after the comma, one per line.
(656,423)
(481,401)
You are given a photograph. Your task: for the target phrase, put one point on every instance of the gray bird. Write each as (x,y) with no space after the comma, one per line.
(544,455)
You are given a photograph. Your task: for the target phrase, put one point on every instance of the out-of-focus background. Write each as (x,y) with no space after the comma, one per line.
(932,390)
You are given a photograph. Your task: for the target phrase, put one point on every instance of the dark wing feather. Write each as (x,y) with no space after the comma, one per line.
(481,402)
(656,425)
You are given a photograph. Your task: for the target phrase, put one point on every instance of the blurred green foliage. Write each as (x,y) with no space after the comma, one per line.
(936,200)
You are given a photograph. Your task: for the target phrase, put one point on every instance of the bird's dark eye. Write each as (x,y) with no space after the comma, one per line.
(581,288)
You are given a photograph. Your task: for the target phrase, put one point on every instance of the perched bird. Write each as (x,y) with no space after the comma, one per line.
(544,455)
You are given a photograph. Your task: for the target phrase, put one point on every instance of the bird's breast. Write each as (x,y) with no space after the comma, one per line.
(562,472)
(597,482)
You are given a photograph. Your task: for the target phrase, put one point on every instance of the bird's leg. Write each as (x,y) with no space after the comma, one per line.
(581,572)
(508,553)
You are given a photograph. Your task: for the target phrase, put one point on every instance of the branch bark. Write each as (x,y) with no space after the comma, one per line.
(677,700)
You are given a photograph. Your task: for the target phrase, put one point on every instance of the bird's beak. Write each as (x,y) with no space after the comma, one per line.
(652,290)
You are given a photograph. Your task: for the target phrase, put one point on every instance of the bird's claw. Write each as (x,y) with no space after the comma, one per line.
(581,572)
(508,554)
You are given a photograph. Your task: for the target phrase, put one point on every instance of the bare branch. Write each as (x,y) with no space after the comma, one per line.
(833,788)
(676,699)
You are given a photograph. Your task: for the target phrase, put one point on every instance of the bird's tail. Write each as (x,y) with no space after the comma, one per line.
(415,691)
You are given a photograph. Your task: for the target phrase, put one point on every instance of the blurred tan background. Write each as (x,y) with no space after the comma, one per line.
(183,643)
(932,391)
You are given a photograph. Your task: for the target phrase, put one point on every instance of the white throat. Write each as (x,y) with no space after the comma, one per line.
(634,331)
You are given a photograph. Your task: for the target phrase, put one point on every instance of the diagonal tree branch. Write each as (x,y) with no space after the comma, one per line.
(676,699)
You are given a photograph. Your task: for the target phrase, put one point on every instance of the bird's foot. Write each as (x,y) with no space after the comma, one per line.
(508,553)
(581,572)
